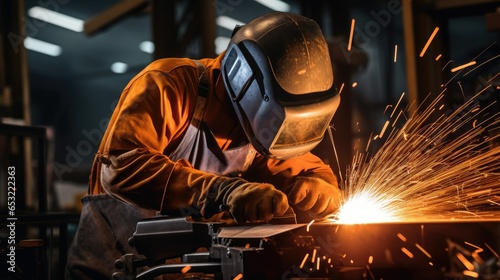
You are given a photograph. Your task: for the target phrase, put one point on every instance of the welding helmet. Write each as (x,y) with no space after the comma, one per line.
(278,74)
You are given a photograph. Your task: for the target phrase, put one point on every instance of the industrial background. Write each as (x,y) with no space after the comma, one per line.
(59,82)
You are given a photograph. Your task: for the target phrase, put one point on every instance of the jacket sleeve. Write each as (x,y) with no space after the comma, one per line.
(283,173)
(152,112)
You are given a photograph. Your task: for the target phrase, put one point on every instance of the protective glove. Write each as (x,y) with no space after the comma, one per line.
(245,201)
(315,196)
(256,202)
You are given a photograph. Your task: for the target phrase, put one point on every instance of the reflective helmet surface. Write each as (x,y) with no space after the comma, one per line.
(278,73)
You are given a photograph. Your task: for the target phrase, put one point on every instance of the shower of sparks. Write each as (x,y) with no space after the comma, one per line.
(429,41)
(363,206)
(435,164)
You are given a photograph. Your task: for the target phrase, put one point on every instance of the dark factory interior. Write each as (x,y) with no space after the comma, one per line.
(60,82)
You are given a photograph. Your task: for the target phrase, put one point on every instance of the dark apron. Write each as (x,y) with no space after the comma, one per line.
(106,224)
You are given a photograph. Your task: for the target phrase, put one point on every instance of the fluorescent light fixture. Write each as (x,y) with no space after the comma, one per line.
(119,67)
(227,22)
(276,5)
(56,18)
(221,44)
(147,46)
(42,47)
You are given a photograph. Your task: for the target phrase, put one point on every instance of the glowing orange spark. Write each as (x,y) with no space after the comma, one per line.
(370,259)
(186,269)
(472,274)
(423,250)
(462,66)
(304,260)
(388,256)
(407,252)
(351,35)
(451,61)
(493,202)
(464,261)
(498,56)
(383,129)
(341,88)
(395,52)
(402,237)
(397,104)
(493,251)
(238,277)
(354,84)
(478,249)
(247,245)
(429,41)
(387,107)
(369,270)
(313,256)
(309,225)
(438,57)
(477,258)
(317,264)
(397,118)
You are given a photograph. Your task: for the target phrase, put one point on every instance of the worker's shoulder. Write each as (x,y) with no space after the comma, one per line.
(170,65)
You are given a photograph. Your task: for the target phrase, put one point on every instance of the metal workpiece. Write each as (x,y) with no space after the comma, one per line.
(323,250)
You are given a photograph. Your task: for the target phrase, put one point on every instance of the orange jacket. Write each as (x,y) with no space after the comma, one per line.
(148,122)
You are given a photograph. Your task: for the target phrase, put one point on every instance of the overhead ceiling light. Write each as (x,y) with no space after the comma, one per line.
(227,22)
(147,46)
(42,47)
(119,67)
(221,44)
(276,5)
(56,18)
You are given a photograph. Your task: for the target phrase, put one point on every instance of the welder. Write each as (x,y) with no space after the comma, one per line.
(225,138)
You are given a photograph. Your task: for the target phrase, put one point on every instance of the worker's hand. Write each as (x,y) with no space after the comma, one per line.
(256,202)
(314,196)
